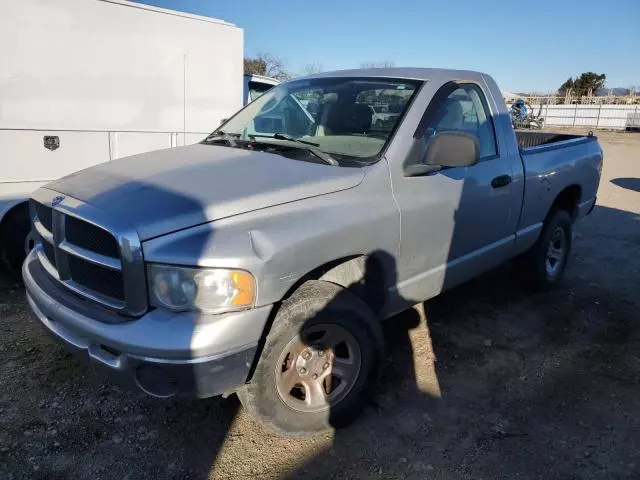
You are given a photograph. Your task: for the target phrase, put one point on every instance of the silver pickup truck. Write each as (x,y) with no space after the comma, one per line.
(262,260)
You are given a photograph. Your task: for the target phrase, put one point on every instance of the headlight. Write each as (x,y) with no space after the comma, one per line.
(211,290)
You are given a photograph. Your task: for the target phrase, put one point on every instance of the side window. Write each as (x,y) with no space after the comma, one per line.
(465,110)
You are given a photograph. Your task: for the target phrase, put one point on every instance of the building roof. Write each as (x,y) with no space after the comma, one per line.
(144,6)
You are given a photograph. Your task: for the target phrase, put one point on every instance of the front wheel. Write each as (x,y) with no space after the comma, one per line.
(545,264)
(319,363)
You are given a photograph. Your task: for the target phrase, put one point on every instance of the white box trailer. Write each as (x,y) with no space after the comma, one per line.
(88,81)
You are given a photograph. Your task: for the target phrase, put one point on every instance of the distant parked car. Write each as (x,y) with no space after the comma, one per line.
(256,85)
(382,117)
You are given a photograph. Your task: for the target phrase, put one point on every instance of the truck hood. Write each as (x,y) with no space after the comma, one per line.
(168,190)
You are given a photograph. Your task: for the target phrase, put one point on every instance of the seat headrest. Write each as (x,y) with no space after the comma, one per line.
(450,115)
(349,119)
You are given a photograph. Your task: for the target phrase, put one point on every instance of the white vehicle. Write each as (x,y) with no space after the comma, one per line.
(256,85)
(88,81)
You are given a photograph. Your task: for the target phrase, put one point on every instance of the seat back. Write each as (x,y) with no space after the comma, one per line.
(348,119)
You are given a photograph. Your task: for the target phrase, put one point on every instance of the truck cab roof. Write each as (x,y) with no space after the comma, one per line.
(404,72)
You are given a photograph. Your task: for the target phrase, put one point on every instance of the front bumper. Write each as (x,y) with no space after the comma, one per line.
(162,353)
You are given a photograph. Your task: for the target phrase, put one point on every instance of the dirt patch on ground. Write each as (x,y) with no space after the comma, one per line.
(490,382)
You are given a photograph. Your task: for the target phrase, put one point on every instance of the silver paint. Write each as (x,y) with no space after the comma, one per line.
(281,219)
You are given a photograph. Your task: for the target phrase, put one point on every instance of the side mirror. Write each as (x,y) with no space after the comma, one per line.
(447,149)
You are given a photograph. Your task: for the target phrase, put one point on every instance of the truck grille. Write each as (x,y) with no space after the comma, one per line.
(45,215)
(49,253)
(96,278)
(92,238)
(86,256)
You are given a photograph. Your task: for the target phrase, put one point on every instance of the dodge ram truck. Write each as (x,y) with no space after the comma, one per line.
(262,260)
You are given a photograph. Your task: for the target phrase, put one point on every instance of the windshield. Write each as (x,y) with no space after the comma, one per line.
(337,115)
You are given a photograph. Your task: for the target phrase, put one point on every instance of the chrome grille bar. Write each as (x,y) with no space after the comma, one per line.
(58,236)
(42,231)
(130,265)
(46,263)
(89,256)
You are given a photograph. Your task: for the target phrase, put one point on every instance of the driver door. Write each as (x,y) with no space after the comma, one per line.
(455,222)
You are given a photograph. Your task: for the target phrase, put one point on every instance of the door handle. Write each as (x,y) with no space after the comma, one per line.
(501,181)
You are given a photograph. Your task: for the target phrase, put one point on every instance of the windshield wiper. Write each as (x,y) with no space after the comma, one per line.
(318,153)
(228,137)
(282,136)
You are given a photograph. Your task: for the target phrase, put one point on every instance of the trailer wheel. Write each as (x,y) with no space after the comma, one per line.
(319,363)
(14,237)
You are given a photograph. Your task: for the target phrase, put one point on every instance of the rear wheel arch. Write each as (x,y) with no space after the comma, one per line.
(568,200)
(533,264)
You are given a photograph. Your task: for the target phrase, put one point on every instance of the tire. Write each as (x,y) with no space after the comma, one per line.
(13,237)
(544,265)
(292,354)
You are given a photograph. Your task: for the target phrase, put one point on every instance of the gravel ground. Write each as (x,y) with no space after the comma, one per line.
(490,382)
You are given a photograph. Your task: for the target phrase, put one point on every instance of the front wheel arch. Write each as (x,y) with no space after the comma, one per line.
(365,275)
(314,302)
(15,228)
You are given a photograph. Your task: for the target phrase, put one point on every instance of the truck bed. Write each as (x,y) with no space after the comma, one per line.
(528,139)
(554,162)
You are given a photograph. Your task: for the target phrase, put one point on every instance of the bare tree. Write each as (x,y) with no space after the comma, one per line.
(268,65)
(381,64)
(275,67)
(311,68)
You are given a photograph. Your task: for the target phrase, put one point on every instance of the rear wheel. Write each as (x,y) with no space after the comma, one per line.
(14,237)
(545,264)
(319,363)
